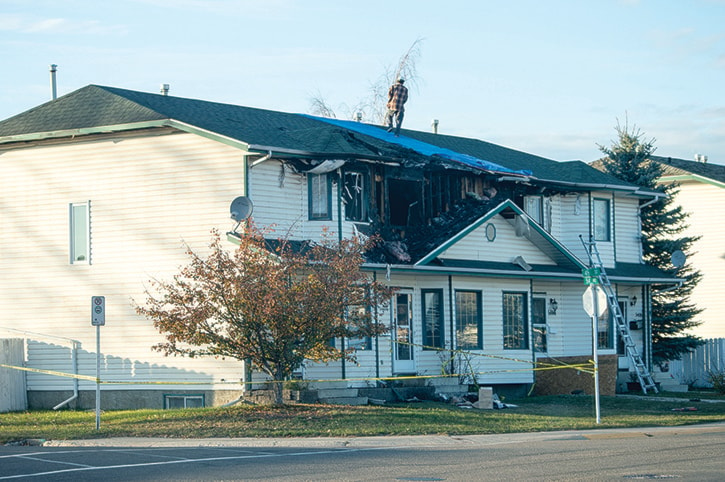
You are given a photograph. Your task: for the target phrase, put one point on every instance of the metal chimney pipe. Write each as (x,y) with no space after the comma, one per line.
(435,126)
(53,85)
(164,89)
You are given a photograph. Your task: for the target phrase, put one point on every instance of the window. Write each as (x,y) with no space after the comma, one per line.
(538,324)
(319,192)
(469,333)
(515,330)
(601,214)
(432,318)
(80,243)
(358,312)
(539,209)
(183,401)
(354,195)
(605,330)
(621,349)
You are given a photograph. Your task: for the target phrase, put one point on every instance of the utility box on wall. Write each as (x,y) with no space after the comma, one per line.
(13,391)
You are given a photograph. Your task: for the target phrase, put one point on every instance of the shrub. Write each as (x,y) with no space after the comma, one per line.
(717,378)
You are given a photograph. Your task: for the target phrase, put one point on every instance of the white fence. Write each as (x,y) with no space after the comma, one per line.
(692,369)
(12,382)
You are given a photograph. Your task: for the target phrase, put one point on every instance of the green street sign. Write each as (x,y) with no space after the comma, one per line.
(591,276)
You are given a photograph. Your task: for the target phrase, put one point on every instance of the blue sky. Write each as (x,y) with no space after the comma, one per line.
(551,77)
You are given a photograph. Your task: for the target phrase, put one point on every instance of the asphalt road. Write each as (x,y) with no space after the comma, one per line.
(684,453)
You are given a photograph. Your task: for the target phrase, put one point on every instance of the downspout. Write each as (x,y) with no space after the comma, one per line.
(266,157)
(74,362)
(339,238)
(377,336)
(450,320)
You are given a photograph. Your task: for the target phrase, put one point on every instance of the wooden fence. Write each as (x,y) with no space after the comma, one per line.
(693,368)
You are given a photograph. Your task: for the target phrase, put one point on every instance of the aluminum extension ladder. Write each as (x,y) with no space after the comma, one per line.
(643,374)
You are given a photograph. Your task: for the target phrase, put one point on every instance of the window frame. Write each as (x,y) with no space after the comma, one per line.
(185,397)
(436,340)
(360,204)
(537,326)
(599,234)
(521,325)
(314,198)
(74,247)
(478,316)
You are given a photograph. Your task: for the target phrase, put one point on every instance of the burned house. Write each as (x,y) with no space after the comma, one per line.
(104,186)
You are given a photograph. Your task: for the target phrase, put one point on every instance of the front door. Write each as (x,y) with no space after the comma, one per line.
(402,332)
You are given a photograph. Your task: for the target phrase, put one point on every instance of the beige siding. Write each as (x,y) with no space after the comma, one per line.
(626,230)
(149,196)
(706,204)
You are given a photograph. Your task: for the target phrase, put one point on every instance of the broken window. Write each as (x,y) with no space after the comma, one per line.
(539,209)
(354,196)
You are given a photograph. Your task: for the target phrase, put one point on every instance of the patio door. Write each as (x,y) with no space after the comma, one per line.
(402,331)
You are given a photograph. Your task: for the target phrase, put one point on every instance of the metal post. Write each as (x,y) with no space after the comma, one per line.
(595,342)
(98,377)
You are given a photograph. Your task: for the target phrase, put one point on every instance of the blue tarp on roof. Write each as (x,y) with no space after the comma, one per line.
(419,146)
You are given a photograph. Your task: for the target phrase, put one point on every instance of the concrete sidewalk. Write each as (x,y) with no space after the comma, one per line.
(389,441)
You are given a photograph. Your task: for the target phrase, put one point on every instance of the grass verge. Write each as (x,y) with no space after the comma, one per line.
(532,415)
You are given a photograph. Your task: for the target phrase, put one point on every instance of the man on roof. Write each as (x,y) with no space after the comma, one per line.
(397,96)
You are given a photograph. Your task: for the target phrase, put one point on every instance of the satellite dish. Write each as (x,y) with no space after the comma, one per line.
(241,208)
(678,259)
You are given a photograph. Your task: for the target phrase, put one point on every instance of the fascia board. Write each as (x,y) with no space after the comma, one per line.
(691,177)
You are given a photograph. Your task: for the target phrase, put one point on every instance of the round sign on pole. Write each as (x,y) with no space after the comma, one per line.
(588,301)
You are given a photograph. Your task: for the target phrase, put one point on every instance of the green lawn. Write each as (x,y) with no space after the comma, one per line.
(532,414)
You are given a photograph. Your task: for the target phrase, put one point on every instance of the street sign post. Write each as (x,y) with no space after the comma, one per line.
(595,304)
(98,319)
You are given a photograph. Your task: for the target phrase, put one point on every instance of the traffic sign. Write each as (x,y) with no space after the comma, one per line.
(592,305)
(591,276)
(98,310)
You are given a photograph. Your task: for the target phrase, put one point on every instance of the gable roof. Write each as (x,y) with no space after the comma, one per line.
(534,233)
(681,169)
(99,109)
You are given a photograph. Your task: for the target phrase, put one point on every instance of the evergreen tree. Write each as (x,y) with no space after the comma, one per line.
(630,159)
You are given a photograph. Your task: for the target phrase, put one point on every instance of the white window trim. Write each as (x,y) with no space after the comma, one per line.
(71,234)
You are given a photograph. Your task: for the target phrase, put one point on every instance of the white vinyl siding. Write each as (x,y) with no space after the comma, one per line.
(80,236)
(504,247)
(151,196)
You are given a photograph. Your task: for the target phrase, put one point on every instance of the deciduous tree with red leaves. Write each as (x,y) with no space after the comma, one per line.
(275,302)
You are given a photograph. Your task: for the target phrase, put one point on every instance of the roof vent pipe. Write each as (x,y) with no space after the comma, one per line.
(53,85)
(164,89)
(434,124)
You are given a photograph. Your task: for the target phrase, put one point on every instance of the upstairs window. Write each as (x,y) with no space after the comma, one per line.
(80,236)
(354,196)
(319,193)
(601,214)
(539,209)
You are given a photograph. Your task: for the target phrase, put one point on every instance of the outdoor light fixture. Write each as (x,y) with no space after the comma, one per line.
(553,306)
(633,301)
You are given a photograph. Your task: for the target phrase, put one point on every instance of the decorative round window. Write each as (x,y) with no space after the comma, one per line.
(490,232)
